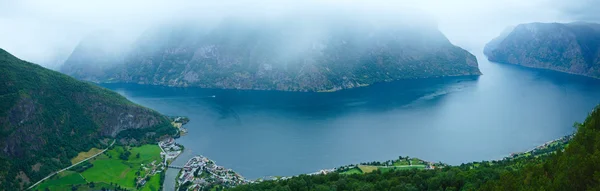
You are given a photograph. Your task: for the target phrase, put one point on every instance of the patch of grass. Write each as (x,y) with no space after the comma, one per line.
(416,161)
(148,153)
(62,181)
(402,168)
(153,184)
(83,155)
(120,171)
(400,162)
(352,171)
(109,168)
(366,168)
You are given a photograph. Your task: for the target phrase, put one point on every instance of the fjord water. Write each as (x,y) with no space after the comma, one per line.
(453,120)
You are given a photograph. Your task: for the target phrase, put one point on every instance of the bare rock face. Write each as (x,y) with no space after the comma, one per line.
(319,55)
(46,118)
(572,48)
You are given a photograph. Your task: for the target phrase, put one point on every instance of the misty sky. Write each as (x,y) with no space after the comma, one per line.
(45,32)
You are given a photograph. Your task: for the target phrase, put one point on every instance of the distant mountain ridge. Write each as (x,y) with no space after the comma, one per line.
(47,118)
(572,47)
(321,55)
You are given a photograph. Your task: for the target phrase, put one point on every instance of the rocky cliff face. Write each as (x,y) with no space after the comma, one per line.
(46,118)
(320,55)
(573,48)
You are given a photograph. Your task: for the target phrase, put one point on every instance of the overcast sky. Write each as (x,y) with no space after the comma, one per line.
(46,32)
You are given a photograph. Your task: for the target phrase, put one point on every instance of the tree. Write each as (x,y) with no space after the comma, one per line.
(196,172)
(137,155)
(125,155)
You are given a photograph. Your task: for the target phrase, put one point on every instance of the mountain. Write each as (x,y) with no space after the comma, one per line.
(494,43)
(94,54)
(312,54)
(572,48)
(47,118)
(565,164)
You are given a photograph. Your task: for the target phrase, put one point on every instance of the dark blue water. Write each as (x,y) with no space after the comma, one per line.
(453,120)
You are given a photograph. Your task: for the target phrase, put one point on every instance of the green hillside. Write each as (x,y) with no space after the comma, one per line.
(562,165)
(47,118)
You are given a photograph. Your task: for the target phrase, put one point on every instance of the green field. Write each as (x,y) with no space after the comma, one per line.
(361,169)
(83,155)
(413,161)
(367,168)
(63,181)
(109,168)
(402,168)
(352,171)
(153,184)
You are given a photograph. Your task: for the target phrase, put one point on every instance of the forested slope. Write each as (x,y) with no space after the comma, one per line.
(46,118)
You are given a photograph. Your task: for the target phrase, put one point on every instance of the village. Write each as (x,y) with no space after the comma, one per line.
(201,173)
(170,150)
(147,171)
(544,149)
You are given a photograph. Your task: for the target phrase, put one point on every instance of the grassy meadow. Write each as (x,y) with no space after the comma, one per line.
(109,170)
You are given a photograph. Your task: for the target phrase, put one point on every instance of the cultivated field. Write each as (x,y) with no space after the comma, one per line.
(109,170)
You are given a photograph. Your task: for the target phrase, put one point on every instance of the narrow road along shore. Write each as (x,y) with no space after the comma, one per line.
(71,166)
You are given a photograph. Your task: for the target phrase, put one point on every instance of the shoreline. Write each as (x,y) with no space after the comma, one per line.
(431,165)
(324,91)
(202,173)
(175,150)
(543,147)
(197,171)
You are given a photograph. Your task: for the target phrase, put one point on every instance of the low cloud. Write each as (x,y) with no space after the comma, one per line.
(46,32)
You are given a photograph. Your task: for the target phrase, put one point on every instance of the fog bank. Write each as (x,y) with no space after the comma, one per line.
(46,32)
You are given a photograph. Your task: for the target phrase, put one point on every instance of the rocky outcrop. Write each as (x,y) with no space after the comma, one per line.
(320,55)
(46,118)
(573,48)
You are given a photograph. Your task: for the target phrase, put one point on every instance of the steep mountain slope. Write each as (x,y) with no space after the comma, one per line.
(494,43)
(572,48)
(313,54)
(46,118)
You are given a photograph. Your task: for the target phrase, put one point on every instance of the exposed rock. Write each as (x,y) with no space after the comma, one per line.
(46,118)
(572,48)
(323,54)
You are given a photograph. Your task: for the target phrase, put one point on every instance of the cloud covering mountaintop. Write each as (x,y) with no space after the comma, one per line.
(46,32)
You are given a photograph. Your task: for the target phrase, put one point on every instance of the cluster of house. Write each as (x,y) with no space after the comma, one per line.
(178,123)
(170,149)
(149,170)
(543,148)
(202,172)
(323,171)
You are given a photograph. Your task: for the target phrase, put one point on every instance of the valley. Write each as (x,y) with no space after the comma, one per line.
(311,95)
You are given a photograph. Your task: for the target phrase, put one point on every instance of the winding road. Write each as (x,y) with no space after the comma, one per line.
(71,166)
